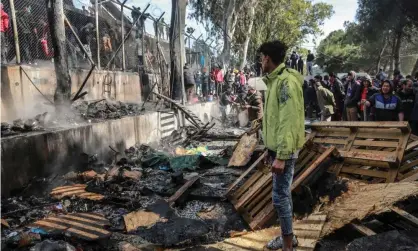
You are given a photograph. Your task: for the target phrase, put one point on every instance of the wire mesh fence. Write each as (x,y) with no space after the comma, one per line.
(110,38)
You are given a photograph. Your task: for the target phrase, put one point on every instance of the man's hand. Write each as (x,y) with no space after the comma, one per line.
(277,166)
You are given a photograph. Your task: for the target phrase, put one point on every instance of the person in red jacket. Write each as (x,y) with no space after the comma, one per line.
(4,26)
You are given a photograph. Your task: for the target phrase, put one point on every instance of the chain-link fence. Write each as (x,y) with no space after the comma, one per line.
(118,37)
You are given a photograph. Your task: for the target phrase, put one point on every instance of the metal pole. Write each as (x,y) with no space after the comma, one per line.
(122,18)
(15,34)
(96,12)
(181,47)
(127,35)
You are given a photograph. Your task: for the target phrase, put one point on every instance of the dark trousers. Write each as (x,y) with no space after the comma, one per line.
(25,43)
(3,48)
(300,69)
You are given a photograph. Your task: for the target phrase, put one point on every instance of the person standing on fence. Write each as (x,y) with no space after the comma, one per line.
(283,133)
(106,48)
(4,26)
(167,31)
(161,28)
(86,37)
(23,19)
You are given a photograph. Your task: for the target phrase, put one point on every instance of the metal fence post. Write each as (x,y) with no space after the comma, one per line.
(15,33)
(96,12)
(122,19)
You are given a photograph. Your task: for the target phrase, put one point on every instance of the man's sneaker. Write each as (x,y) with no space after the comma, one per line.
(277,243)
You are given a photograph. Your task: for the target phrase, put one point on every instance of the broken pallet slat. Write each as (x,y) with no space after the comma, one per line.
(311,168)
(368,124)
(182,189)
(87,226)
(362,229)
(411,178)
(243,175)
(77,190)
(405,215)
(243,151)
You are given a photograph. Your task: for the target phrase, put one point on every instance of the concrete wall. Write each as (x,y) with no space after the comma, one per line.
(20,99)
(42,154)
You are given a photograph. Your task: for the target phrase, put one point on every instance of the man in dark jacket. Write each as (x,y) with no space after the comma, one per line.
(300,65)
(353,93)
(337,88)
(205,82)
(309,62)
(189,82)
(407,97)
(293,60)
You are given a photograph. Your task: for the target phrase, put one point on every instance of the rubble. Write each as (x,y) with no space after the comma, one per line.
(106,109)
(174,197)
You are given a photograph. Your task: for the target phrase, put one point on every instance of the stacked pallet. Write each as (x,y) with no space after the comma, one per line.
(373,151)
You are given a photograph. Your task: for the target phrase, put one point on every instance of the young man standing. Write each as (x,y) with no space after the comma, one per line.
(283,132)
(309,62)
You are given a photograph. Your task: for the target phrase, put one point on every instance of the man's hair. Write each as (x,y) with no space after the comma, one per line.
(318,77)
(396,72)
(276,50)
(332,75)
(326,77)
(309,51)
(390,85)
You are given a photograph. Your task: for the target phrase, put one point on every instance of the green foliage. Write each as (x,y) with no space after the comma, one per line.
(289,21)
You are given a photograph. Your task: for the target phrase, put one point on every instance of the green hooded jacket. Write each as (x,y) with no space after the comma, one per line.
(284,114)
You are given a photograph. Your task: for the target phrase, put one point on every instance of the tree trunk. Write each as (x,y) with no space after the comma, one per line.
(415,68)
(247,39)
(228,33)
(178,18)
(62,94)
(379,58)
(397,53)
(392,53)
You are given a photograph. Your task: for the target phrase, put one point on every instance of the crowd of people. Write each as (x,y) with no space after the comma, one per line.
(231,88)
(326,98)
(355,98)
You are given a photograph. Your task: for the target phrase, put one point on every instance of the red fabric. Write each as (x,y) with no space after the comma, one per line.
(363,96)
(4,24)
(45,48)
(242,79)
(219,76)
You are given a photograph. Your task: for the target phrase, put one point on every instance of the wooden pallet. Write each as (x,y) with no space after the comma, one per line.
(76,190)
(370,149)
(253,198)
(308,230)
(409,166)
(88,226)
